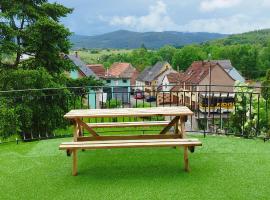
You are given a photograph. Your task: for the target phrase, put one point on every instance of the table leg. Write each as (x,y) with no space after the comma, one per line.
(186,159)
(176,128)
(182,127)
(74,166)
(76,130)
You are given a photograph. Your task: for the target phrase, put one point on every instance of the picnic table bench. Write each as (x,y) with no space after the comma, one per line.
(163,139)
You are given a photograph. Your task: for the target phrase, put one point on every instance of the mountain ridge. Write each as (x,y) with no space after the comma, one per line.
(123,39)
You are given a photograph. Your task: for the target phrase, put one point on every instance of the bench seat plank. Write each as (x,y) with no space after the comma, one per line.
(87,145)
(128,124)
(131,141)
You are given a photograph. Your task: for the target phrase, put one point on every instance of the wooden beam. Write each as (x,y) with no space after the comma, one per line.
(84,125)
(182,127)
(167,128)
(76,133)
(128,124)
(186,159)
(176,128)
(75,163)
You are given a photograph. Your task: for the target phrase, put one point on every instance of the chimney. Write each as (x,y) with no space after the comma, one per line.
(76,54)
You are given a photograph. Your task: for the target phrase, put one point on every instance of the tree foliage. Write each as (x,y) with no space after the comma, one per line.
(32,28)
(250,116)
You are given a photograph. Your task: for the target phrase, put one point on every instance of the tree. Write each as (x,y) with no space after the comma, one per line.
(186,56)
(266,86)
(167,53)
(250,116)
(33,28)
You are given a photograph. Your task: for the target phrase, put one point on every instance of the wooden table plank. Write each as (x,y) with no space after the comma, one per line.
(134,112)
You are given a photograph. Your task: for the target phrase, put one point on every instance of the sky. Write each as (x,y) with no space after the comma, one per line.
(94,17)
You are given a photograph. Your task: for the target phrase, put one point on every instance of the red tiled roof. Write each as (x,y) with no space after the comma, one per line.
(175,77)
(98,69)
(117,69)
(197,72)
(134,77)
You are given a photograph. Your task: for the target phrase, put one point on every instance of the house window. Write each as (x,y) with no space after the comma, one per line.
(108,81)
(125,81)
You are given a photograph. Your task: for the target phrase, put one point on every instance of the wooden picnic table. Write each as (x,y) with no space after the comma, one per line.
(178,116)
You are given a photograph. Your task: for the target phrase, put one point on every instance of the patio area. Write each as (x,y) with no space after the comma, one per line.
(224,168)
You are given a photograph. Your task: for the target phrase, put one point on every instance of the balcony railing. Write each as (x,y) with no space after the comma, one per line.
(218,109)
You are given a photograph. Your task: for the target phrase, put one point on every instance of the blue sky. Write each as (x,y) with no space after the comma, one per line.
(92,17)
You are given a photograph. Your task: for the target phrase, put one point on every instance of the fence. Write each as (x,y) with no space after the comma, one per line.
(36,114)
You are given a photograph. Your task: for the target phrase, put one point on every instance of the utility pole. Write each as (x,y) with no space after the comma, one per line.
(210,83)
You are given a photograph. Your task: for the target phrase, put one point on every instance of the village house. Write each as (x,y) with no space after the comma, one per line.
(118,79)
(84,71)
(170,80)
(199,76)
(151,78)
(98,70)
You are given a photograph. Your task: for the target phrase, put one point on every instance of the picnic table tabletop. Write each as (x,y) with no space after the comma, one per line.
(125,112)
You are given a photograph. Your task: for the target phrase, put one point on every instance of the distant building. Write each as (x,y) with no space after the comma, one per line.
(219,74)
(120,78)
(170,80)
(227,66)
(84,71)
(98,70)
(151,78)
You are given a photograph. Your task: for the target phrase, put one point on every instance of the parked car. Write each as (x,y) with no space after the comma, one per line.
(138,95)
(151,99)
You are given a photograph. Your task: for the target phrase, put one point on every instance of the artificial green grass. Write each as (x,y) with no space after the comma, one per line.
(223,168)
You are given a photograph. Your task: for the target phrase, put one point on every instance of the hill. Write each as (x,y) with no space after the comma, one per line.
(261,37)
(129,40)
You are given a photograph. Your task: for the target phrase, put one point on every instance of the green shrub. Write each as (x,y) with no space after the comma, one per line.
(113,103)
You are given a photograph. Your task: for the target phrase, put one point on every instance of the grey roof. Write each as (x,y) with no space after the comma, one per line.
(82,66)
(235,75)
(227,66)
(150,73)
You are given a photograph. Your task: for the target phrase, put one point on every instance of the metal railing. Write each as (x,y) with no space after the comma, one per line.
(218,109)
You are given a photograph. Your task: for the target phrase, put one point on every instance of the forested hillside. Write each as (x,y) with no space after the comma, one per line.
(130,40)
(260,37)
(251,60)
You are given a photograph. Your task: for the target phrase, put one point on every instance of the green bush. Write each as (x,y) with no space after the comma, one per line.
(142,105)
(113,103)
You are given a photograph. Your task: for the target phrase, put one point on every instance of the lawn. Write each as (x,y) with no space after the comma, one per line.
(223,168)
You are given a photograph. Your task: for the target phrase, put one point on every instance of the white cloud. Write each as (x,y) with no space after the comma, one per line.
(157,19)
(266,2)
(210,5)
(233,24)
